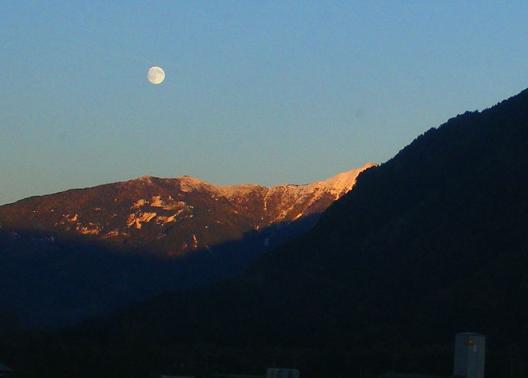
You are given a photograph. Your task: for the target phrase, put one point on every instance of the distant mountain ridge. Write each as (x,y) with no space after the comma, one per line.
(173,216)
(83,252)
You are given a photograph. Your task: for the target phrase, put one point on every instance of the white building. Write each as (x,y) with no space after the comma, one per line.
(470,355)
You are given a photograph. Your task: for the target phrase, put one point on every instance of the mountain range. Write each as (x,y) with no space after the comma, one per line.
(85,251)
(172,217)
(430,243)
(427,244)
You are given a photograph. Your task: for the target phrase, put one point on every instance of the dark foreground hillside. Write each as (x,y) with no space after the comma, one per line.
(428,244)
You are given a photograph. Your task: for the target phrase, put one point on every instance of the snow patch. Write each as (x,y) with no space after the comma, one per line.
(111,234)
(139,203)
(156,201)
(89,229)
(136,220)
(71,218)
(167,219)
(298,216)
(341,183)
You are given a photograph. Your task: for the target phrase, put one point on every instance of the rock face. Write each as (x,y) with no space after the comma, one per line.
(175,216)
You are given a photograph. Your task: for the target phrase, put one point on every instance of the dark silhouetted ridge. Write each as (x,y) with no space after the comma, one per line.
(430,243)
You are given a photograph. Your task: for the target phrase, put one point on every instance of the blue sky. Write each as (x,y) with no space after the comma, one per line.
(256,91)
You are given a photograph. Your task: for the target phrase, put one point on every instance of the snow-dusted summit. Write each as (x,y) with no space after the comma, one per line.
(173,216)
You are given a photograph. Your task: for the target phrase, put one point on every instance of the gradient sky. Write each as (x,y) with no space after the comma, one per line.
(256,91)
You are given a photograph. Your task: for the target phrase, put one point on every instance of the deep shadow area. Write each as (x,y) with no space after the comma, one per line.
(49,280)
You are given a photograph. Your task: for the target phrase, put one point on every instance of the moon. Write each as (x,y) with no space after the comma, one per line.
(156,75)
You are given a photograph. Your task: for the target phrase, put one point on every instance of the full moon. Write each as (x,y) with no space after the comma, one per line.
(156,75)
